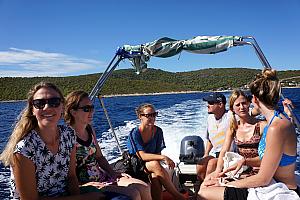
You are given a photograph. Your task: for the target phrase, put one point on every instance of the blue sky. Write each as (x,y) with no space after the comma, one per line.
(72,37)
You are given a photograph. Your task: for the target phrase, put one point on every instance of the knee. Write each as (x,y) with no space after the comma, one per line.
(155,167)
(212,162)
(202,193)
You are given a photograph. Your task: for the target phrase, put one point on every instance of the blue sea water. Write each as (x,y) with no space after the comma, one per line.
(180,115)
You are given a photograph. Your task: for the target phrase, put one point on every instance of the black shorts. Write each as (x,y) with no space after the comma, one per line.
(231,193)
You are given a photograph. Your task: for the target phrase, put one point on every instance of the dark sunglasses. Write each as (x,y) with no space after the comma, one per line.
(212,102)
(87,108)
(149,114)
(52,102)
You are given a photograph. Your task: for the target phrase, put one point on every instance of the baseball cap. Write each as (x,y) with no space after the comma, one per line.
(215,97)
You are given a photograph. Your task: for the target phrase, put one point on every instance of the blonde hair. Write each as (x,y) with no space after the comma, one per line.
(139,110)
(26,123)
(266,87)
(72,102)
(233,97)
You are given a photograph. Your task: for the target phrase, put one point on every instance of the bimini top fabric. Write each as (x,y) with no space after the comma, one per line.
(167,47)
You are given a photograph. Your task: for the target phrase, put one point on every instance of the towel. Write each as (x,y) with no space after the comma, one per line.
(230,159)
(274,191)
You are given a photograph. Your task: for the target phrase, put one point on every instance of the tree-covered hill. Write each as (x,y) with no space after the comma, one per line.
(126,81)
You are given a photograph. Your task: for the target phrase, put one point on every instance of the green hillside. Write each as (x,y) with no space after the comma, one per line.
(126,81)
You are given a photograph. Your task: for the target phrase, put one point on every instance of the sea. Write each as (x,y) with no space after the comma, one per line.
(179,115)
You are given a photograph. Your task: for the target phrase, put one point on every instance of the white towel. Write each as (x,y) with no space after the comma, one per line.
(230,159)
(275,191)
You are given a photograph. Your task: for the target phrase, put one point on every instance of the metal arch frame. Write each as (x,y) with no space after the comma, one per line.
(122,54)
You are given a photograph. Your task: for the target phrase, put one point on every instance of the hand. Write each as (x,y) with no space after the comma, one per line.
(213,175)
(126,175)
(98,185)
(285,104)
(234,168)
(211,182)
(169,162)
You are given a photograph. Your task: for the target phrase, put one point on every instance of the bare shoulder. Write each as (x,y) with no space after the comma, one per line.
(281,127)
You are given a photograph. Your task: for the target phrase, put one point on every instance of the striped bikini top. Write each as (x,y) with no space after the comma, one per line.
(285,159)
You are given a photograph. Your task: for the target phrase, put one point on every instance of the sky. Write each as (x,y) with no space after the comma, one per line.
(76,37)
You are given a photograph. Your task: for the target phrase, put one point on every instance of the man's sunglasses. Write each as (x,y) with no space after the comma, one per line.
(87,108)
(149,114)
(212,102)
(52,102)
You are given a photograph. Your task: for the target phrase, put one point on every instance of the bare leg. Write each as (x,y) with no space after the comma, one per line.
(128,191)
(136,184)
(156,189)
(164,178)
(202,167)
(211,166)
(211,193)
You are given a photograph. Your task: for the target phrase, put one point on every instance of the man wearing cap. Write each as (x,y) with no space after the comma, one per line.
(217,124)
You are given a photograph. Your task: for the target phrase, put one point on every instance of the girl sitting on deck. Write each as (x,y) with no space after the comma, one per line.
(277,148)
(149,142)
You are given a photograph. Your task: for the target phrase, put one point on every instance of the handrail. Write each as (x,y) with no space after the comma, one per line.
(99,85)
(110,125)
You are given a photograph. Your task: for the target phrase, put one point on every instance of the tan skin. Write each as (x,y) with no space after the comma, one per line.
(24,168)
(127,185)
(244,132)
(281,134)
(159,176)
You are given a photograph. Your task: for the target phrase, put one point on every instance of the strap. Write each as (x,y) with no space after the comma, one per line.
(257,129)
(90,131)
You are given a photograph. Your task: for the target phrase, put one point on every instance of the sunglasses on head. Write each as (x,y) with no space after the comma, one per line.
(149,114)
(87,108)
(52,102)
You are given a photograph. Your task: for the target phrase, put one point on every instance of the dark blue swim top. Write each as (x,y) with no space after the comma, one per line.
(285,159)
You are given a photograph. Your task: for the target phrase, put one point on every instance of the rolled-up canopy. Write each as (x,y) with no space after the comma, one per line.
(167,47)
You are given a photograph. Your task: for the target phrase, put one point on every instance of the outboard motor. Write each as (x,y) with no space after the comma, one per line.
(191,149)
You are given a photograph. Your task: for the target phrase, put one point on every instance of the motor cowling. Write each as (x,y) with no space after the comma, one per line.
(191,149)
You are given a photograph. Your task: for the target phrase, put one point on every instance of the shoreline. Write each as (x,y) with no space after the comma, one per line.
(149,94)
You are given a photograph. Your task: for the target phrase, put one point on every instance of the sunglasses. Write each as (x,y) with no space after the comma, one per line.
(52,102)
(211,103)
(87,108)
(149,114)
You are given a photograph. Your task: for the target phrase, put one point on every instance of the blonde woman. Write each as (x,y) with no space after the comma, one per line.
(277,148)
(245,131)
(92,167)
(149,142)
(41,153)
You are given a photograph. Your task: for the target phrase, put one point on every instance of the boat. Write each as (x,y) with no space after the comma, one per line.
(192,147)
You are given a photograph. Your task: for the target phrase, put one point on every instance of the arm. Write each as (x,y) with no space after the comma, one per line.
(270,162)
(72,178)
(103,163)
(226,147)
(293,118)
(24,173)
(150,157)
(208,148)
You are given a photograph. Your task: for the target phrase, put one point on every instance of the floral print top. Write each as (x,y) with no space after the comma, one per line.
(88,169)
(51,169)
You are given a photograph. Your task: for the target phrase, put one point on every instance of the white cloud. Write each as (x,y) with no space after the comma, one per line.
(27,63)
